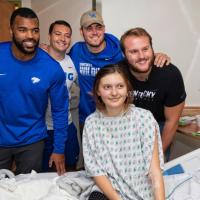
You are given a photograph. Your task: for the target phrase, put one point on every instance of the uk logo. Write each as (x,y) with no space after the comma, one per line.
(35,80)
(93,15)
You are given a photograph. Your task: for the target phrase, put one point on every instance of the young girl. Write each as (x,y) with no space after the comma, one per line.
(121,143)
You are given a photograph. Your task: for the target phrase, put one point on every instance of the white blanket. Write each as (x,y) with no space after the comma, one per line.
(77,184)
(33,187)
(183,186)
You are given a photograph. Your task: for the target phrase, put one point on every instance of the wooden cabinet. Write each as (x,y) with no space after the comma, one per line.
(6,10)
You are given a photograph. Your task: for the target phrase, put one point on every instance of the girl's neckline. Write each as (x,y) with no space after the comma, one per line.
(123,113)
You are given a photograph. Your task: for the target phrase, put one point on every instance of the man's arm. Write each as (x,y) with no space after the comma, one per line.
(161,59)
(59,107)
(172,115)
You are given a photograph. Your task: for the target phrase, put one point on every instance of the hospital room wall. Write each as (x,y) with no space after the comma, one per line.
(173,24)
(50,10)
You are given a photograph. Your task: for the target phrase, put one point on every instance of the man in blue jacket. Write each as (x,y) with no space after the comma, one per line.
(28,76)
(97,50)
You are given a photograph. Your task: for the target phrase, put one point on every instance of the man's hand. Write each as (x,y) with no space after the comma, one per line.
(59,161)
(161,59)
(44,46)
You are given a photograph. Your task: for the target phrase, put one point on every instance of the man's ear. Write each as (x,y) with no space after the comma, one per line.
(81,31)
(11,32)
(104,29)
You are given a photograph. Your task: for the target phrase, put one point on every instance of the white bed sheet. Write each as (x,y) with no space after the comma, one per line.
(44,186)
(186,185)
(190,162)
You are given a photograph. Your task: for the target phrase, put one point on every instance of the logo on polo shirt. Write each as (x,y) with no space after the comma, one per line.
(35,80)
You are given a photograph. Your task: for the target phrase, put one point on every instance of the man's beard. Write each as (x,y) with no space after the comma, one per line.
(20,46)
(135,69)
(94,45)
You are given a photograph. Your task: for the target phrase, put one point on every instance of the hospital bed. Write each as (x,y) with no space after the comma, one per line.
(181,176)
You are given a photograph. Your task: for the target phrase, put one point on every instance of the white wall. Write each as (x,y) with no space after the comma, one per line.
(50,10)
(174,26)
(26,3)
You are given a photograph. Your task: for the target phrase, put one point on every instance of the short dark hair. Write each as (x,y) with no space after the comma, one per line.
(23,12)
(110,69)
(137,32)
(59,22)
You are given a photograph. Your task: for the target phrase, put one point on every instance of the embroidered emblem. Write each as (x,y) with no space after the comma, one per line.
(35,80)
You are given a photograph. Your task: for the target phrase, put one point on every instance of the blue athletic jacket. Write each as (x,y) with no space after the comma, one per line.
(24,90)
(87,64)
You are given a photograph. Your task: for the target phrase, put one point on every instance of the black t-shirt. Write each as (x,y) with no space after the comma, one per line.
(164,87)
